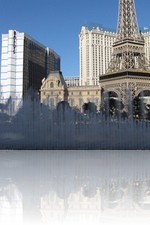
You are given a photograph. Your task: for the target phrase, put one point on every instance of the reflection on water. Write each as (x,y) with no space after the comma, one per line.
(74,187)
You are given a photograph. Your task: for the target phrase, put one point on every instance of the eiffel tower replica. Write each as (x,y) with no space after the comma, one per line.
(129,71)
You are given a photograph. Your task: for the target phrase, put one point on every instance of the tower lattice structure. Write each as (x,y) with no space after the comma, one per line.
(128,49)
(128,74)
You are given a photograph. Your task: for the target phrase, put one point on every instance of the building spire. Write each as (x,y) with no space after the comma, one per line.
(127,22)
(128,48)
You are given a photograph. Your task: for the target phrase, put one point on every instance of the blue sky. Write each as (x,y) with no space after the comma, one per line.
(57,23)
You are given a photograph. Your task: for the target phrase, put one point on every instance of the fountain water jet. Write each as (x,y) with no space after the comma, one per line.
(37,127)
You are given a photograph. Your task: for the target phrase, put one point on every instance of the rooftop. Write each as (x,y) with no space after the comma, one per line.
(94,26)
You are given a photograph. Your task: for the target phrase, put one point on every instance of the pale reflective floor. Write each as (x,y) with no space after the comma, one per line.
(74,187)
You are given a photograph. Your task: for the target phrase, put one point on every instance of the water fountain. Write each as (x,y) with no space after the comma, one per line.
(37,127)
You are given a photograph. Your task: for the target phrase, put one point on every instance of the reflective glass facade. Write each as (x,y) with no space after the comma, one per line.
(24,63)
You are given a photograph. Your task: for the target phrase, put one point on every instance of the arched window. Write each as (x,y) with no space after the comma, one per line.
(51,85)
(51,103)
(96,101)
(80,102)
(71,102)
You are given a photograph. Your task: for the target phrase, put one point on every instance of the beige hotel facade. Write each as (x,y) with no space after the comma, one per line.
(95,50)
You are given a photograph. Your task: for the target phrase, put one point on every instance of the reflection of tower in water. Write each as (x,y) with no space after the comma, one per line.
(66,187)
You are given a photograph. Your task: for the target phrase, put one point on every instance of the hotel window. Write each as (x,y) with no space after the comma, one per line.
(72,102)
(80,102)
(96,101)
(51,85)
(51,103)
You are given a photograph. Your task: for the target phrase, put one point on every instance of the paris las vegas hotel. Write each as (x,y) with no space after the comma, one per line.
(95,48)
